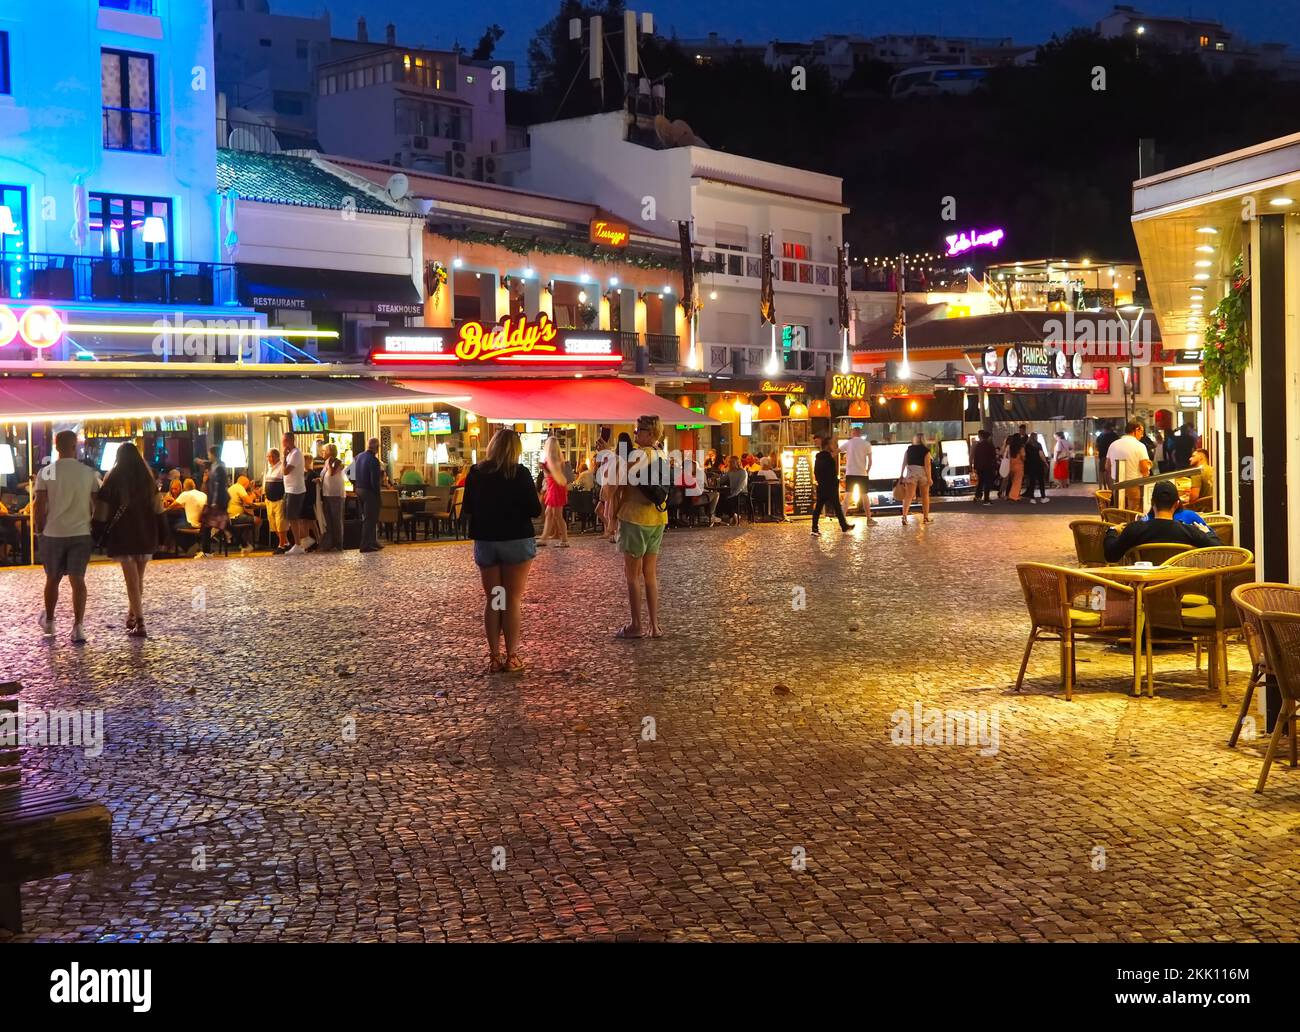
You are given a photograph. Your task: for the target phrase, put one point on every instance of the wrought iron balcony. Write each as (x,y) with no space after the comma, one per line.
(745,265)
(77,277)
(259,139)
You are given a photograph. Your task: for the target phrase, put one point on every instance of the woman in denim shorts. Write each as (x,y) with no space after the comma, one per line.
(501,504)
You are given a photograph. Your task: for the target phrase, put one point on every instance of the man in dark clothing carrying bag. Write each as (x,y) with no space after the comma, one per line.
(826,472)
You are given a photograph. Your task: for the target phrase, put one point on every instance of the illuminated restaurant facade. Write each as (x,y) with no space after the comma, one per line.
(1225,227)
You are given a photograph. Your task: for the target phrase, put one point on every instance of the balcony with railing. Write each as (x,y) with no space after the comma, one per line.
(257,138)
(79,277)
(747,265)
(131,129)
(660,348)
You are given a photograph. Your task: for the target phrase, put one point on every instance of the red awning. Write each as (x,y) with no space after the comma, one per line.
(567,400)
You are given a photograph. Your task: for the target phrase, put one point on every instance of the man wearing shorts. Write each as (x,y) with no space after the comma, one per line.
(295,495)
(857,470)
(641,531)
(65,499)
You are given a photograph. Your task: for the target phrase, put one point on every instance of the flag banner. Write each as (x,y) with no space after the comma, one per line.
(842,264)
(688,268)
(766,298)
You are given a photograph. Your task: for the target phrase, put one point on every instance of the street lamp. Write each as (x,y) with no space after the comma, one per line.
(1130,332)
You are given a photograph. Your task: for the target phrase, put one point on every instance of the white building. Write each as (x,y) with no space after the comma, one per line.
(732,202)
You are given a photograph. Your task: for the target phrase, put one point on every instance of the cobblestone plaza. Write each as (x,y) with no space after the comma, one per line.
(309,748)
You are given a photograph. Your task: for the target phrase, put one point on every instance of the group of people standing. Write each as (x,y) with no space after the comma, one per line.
(1021,468)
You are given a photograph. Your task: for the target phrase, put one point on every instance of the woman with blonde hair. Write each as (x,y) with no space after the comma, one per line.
(555,494)
(642,515)
(501,504)
(917,477)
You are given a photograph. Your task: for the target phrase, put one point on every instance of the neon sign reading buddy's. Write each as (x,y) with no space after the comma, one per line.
(510,341)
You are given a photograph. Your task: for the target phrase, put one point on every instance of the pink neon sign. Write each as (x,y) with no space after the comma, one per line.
(960,243)
(39,327)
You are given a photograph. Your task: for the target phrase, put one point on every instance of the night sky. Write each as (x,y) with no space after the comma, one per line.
(1030,21)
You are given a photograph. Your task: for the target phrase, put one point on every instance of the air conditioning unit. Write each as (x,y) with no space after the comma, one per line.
(485,170)
(457,162)
(458,145)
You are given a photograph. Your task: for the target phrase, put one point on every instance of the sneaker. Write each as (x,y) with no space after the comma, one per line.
(846,526)
(47,624)
(296,550)
(307,544)
(246,550)
(370,548)
(78,635)
(201,555)
(815,533)
(279,550)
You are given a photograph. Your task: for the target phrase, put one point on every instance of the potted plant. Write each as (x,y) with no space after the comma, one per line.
(1227,339)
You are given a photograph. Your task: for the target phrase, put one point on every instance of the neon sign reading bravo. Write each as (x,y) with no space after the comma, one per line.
(960,243)
(39,327)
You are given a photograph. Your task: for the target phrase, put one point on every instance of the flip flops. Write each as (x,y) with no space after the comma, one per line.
(625,633)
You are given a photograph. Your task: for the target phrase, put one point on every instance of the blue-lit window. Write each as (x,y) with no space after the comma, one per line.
(130,101)
(137,228)
(134,6)
(4,62)
(13,241)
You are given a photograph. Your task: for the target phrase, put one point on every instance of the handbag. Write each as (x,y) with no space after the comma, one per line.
(102,525)
(1004,470)
(898,490)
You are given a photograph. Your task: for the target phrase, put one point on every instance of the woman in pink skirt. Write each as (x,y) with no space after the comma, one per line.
(555,495)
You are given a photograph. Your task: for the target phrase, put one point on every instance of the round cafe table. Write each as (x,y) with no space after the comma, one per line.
(1140,578)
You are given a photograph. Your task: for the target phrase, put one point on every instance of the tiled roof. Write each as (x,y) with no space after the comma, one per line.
(287,179)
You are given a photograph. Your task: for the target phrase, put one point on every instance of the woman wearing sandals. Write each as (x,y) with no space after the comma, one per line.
(501,504)
(917,477)
(130,496)
(641,531)
(555,495)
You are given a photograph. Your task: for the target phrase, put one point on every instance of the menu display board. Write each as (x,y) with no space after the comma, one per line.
(802,489)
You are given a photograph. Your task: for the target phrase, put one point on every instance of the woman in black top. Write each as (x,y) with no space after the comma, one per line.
(1035,469)
(501,504)
(917,477)
(132,504)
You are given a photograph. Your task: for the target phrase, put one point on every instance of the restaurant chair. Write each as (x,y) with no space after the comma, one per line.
(1209,623)
(582,506)
(390,511)
(1103,499)
(1155,553)
(1207,559)
(1089,537)
(447,511)
(1065,605)
(1223,527)
(1119,517)
(1252,602)
(1282,646)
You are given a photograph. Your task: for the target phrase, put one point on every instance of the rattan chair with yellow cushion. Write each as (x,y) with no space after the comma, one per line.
(1282,645)
(1155,553)
(1252,602)
(1066,604)
(1089,541)
(1170,620)
(1120,517)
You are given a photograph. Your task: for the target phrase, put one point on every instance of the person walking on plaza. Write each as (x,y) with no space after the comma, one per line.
(857,471)
(501,504)
(1062,453)
(331,498)
(61,512)
(826,473)
(130,496)
(555,495)
(216,513)
(1035,469)
(1105,439)
(984,460)
(296,514)
(916,477)
(1129,450)
(273,494)
(641,524)
(368,478)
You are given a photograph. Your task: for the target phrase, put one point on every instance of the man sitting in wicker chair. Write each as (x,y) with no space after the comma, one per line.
(1162,529)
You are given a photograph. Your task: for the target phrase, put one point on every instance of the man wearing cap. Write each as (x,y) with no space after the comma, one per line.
(1162,528)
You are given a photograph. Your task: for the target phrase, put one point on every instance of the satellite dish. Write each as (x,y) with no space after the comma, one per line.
(398,186)
(242,139)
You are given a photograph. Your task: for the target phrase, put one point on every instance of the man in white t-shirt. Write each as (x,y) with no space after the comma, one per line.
(857,470)
(193,501)
(294,467)
(1130,450)
(61,511)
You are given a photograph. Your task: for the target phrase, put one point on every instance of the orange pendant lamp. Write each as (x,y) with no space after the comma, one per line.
(818,408)
(769,410)
(798,410)
(859,410)
(723,410)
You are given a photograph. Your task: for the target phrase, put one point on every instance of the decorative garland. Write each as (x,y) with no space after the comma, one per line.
(1227,337)
(593,252)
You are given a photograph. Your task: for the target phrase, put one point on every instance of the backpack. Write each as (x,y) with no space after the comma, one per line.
(656,491)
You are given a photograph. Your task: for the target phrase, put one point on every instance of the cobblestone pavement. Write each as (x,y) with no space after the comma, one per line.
(1106,818)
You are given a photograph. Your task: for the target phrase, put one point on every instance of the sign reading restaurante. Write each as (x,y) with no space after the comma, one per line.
(510,341)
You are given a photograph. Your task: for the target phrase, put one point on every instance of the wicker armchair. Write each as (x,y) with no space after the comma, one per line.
(1282,645)
(1209,623)
(1103,499)
(1210,558)
(1066,604)
(1119,517)
(1089,537)
(1252,602)
(1223,527)
(1156,553)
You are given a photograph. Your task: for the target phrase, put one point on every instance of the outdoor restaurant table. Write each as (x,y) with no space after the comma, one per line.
(1140,578)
